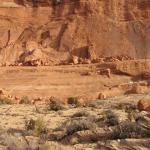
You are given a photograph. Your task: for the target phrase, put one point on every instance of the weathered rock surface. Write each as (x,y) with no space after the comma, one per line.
(90,28)
(134,68)
(144,105)
(125,144)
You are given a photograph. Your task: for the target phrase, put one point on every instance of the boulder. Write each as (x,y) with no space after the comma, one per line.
(75,60)
(102,95)
(109,93)
(144,105)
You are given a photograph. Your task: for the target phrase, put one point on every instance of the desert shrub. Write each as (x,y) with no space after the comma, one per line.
(126,106)
(72,126)
(110,118)
(132,115)
(54,105)
(37,126)
(129,130)
(131,110)
(130,107)
(25,100)
(80,114)
(69,127)
(5,100)
(30,124)
(78,125)
(74,101)
(139,118)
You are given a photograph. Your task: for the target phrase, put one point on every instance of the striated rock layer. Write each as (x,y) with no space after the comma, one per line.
(58,28)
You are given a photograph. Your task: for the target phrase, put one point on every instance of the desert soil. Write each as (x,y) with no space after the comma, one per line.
(83,127)
(14,117)
(59,81)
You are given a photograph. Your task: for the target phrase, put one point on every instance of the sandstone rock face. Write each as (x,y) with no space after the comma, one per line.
(144,105)
(134,68)
(114,27)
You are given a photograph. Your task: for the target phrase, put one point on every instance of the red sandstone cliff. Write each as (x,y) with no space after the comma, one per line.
(112,27)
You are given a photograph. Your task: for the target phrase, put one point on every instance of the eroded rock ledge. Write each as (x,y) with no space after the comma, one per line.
(105,28)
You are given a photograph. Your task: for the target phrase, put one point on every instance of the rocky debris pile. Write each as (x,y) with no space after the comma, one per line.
(79,60)
(33,55)
(141,87)
(117,58)
(135,68)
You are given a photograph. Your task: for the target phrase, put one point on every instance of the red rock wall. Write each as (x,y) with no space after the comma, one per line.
(114,27)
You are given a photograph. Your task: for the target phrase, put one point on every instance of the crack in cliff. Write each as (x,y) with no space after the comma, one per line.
(60,35)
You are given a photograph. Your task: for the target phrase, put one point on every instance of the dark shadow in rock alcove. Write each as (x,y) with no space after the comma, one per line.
(82,52)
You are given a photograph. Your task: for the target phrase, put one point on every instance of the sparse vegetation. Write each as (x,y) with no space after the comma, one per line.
(72,126)
(131,111)
(74,101)
(80,114)
(110,118)
(5,100)
(129,130)
(78,125)
(37,126)
(25,100)
(130,107)
(54,105)
(126,106)
(132,114)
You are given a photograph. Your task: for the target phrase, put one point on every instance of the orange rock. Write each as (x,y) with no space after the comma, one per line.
(137,89)
(102,95)
(75,60)
(2,92)
(144,105)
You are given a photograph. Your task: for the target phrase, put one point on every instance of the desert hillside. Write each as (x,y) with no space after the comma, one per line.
(56,29)
(74,74)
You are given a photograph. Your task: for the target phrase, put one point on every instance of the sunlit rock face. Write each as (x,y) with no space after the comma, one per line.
(114,27)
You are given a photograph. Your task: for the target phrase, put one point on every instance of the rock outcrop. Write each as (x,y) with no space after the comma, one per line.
(144,105)
(86,29)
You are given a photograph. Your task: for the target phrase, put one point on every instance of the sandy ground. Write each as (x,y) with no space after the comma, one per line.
(60,81)
(64,82)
